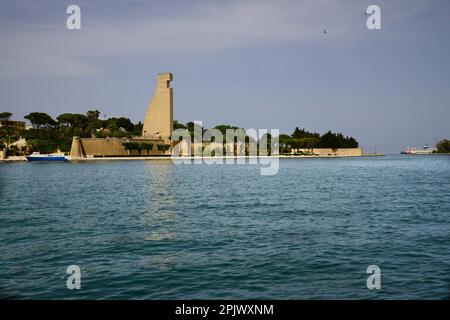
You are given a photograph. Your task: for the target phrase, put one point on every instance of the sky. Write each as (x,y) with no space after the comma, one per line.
(254,64)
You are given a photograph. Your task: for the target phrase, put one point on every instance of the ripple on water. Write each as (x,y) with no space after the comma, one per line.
(148,230)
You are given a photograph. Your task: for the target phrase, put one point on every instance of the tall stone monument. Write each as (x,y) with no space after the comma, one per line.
(158,122)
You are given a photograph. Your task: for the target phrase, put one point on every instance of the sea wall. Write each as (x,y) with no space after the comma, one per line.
(110,147)
(3,154)
(323,152)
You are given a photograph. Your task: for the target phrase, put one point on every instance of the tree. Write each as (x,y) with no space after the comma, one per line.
(6,116)
(125,124)
(129,146)
(43,145)
(73,120)
(177,125)
(93,115)
(148,147)
(306,143)
(223,128)
(13,150)
(329,140)
(190,126)
(40,120)
(8,135)
(65,119)
(299,134)
(119,127)
(93,122)
(137,130)
(352,143)
(267,138)
(163,147)
(443,146)
(75,123)
(139,148)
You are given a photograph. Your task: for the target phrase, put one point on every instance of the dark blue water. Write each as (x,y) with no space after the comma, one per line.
(155,230)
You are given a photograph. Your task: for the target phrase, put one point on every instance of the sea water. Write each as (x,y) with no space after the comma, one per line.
(156,230)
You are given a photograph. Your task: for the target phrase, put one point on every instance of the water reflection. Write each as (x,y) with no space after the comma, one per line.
(159,236)
(159,217)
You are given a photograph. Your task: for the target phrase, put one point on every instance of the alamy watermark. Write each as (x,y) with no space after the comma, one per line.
(73,22)
(373,21)
(374,280)
(74,279)
(211,146)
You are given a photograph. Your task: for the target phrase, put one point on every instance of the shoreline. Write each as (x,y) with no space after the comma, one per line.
(23,158)
(159,158)
(156,158)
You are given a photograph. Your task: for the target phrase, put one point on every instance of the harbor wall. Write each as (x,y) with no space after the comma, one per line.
(324,152)
(110,147)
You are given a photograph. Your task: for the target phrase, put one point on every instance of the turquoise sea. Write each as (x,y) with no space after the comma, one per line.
(156,230)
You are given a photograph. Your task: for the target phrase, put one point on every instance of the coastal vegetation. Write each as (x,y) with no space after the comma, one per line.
(299,139)
(302,139)
(139,147)
(48,135)
(163,147)
(5,116)
(443,146)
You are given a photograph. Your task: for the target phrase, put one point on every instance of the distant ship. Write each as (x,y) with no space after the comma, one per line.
(36,156)
(424,150)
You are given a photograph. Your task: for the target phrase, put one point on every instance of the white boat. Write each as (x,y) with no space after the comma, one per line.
(36,156)
(424,150)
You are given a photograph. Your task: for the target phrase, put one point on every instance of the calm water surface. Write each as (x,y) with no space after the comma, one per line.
(155,230)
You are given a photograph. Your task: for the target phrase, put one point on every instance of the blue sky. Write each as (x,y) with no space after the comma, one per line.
(256,64)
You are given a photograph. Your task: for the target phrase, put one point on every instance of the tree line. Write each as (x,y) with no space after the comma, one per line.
(140,146)
(303,139)
(443,146)
(48,135)
(299,139)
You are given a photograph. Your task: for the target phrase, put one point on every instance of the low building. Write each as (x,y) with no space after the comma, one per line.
(327,152)
(18,125)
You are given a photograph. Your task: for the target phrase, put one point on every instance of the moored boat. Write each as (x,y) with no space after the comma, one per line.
(36,156)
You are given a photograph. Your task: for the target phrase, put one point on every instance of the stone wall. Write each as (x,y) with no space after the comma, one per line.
(3,154)
(110,147)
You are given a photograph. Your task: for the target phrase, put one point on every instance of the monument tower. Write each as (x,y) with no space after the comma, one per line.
(159,118)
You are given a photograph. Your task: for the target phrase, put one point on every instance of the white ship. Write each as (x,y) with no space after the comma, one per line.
(425,150)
